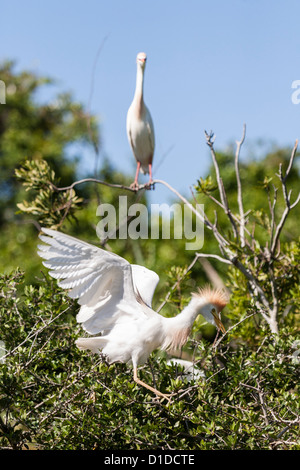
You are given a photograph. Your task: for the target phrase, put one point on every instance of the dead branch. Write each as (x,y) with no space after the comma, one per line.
(287,199)
(239,187)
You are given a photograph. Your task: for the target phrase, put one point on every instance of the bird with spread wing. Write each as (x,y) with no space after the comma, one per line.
(115,299)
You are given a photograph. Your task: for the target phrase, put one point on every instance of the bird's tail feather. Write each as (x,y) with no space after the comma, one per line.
(94,344)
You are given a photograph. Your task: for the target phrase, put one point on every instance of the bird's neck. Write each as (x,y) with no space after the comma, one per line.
(189,313)
(139,89)
(179,327)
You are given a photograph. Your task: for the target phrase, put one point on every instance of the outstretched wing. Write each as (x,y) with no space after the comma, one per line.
(101,281)
(144,282)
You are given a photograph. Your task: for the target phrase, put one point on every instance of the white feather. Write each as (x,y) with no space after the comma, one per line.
(104,283)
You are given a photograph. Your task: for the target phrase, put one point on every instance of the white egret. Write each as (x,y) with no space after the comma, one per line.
(115,298)
(139,125)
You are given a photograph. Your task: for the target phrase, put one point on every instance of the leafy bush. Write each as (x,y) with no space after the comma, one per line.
(53,396)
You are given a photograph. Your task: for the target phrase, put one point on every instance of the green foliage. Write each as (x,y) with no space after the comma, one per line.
(53,396)
(49,206)
(205,186)
(55,132)
(29,130)
(287,275)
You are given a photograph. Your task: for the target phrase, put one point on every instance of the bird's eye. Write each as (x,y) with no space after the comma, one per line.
(213,310)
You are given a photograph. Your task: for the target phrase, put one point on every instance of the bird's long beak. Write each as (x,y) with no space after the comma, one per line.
(219,323)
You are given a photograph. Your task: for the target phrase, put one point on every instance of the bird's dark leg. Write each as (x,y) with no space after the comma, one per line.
(135,184)
(152,389)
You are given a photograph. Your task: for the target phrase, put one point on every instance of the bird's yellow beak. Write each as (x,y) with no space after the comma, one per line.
(218,322)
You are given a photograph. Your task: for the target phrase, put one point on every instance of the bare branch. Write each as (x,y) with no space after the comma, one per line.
(239,187)
(296,202)
(210,142)
(272,212)
(176,284)
(95,180)
(294,151)
(183,199)
(213,275)
(232,328)
(210,138)
(257,290)
(228,211)
(113,233)
(287,197)
(201,216)
(219,258)
(221,240)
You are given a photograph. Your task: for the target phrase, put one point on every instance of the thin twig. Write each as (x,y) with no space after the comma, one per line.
(294,151)
(34,333)
(216,344)
(210,142)
(183,199)
(239,187)
(219,258)
(94,180)
(176,284)
(272,212)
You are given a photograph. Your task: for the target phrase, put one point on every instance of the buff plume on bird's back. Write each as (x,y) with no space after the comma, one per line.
(115,299)
(139,125)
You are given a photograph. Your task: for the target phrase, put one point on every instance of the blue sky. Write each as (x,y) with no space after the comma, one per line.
(211,65)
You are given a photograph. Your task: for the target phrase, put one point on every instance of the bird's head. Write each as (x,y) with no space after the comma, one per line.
(141,59)
(209,303)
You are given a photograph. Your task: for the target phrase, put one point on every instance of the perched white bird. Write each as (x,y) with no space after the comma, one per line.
(140,130)
(115,299)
